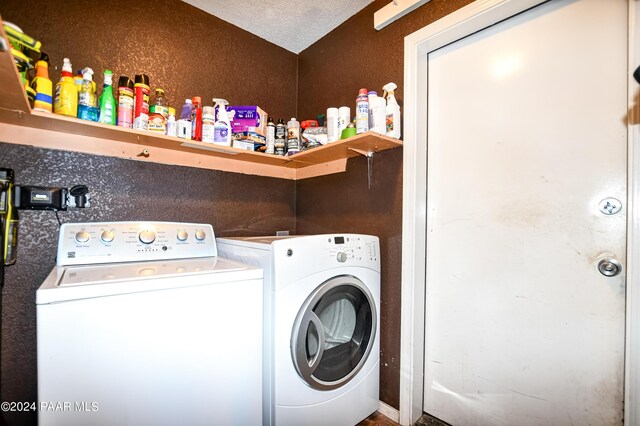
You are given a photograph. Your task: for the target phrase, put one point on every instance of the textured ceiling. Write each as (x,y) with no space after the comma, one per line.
(291,24)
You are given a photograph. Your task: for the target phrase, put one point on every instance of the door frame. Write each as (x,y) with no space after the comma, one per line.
(457,25)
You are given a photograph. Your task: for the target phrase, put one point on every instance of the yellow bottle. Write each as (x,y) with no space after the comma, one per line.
(66,94)
(43,87)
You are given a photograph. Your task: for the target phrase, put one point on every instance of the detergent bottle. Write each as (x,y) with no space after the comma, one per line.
(392,111)
(43,87)
(222,127)
(66,93)
(87,100)
(108,106)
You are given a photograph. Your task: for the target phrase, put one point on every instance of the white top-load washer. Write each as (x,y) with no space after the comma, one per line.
(322,304)
(140,323)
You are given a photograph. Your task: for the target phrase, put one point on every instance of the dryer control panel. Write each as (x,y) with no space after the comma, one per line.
(113,242)
(352,247)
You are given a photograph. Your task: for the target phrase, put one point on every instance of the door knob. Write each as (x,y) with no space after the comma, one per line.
(609,267)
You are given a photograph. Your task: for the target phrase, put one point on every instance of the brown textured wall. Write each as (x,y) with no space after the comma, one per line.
(181,48)
(331,71)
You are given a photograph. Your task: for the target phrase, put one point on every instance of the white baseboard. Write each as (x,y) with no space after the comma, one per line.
(389,411)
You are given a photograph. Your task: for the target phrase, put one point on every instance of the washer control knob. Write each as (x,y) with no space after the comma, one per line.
(82,236)
(183,235)
(200,235)
(147,237)
(341,256)
(108,236)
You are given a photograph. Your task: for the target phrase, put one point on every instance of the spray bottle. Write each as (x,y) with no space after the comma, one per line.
(87,100)
(196,118)
(66,93)
(392,111)
(222,128)
(43,87)
(107,101)
(184,123)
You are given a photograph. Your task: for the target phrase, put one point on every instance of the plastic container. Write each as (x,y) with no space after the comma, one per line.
(222,128)
(172,125)
(293,137)
(344,118)
(333,133)
(392,111)
(141,91)
(87,99)
(158,113)
(44,88)
(377,113)
(362,111)
(196,118)
(184,123)
(125,102)
(208,124)
(107,101)
(66,93)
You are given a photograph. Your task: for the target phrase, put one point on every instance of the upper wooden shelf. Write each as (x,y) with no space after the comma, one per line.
(20,125)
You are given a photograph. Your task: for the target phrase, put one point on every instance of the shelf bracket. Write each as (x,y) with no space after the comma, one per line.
(369,155)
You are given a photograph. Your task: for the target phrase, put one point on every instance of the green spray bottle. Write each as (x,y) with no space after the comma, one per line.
(108,106)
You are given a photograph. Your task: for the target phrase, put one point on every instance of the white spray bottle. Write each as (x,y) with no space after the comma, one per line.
(392,111)
(222,126)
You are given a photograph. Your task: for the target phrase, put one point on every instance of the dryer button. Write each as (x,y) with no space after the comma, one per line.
(341,256)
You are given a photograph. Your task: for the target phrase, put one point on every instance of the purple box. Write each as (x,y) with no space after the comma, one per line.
(247,119)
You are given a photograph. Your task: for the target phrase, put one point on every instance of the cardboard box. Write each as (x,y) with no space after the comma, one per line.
(247,119)
(248,145)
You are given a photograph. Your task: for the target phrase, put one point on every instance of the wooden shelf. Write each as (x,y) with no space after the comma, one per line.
(20,125)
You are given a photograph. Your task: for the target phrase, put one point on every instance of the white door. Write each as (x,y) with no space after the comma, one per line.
(527,134)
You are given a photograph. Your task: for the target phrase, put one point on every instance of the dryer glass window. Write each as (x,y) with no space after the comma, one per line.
(334,332)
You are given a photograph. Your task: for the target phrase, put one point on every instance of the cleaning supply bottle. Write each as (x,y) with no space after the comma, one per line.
(377,113)
(362,111)
(172,127)
(271,136)
(125,102)
(184,123)
(280,143)
(87,100)
(107,101)
(196,118)
(66,93)
(392,111)
(141,102)
(208,124)
(293,137)
(222,128)
(43,87)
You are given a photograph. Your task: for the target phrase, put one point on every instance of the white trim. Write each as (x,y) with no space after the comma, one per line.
(394,11)
(389,412)
(459,24)
(632,352)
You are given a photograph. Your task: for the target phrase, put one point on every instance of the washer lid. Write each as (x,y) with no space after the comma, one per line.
(81,282)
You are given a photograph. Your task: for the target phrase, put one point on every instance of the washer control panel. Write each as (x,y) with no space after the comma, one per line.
(352,247)
(110,242)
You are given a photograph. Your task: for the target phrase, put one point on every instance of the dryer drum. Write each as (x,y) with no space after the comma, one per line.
(334,332)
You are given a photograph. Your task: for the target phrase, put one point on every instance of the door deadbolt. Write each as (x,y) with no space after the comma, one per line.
(609,267)
(610,206)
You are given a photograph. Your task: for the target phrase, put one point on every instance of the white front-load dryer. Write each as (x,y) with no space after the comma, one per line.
(321,325)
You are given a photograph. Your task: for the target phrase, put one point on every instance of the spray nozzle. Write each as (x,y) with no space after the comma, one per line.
(220,102)
(388,89)
(87,74)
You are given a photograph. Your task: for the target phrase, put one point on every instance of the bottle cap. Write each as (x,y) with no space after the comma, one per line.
(42,69)
(373,92)
(87,74)
(125,81)
(172,111)
(269,120)
(188,101)
(196,100)
(281,121)
(362,92)
(66,65)
(142,79)
(108,77)
(159,92)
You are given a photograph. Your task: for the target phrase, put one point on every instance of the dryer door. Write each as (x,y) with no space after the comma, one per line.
(333,332)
